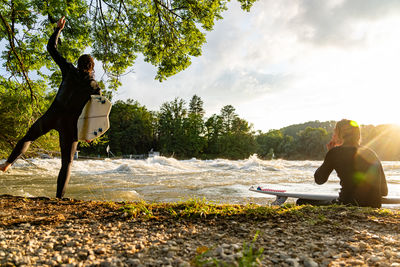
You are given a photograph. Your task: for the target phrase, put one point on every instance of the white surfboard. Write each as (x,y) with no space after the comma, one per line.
(93,121)
(283,195)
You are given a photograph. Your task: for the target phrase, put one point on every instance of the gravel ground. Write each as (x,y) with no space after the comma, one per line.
(50,232)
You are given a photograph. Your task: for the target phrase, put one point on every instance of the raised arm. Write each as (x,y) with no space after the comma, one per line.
(52,46)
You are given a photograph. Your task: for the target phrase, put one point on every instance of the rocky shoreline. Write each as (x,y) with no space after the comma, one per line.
(50,232)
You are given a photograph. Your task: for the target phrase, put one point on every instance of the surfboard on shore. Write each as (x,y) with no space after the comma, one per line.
(283,195)
(93,121)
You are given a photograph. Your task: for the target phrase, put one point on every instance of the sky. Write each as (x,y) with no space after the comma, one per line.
(290,61)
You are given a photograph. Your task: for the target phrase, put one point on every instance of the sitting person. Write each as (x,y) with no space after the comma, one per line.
(361,175)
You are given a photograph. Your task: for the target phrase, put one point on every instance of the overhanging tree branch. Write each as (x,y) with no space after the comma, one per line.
(167,8)
(10,35)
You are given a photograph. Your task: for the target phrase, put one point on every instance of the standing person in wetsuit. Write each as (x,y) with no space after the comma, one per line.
(361,175)
(74,92)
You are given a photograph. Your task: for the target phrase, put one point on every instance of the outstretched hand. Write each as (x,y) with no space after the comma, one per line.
(61,23)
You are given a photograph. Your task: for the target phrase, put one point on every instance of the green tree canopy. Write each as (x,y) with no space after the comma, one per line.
(240,142)
(171,132)
(131,129)
(228,115)
(195,128)
(214,126)
(311,142)
(293,130)
(269,143)
(166,32)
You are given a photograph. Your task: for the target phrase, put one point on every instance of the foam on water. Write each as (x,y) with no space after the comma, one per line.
(167,179)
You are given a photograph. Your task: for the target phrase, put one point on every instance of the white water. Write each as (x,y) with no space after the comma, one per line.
(161,179)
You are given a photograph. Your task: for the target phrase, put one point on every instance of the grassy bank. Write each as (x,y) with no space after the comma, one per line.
(198,233)
(23,210)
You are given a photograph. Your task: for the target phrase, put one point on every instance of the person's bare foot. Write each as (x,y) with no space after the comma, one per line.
(4,167)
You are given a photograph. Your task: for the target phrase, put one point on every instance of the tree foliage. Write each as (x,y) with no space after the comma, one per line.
(17,113)
(166,32)
(185,134)
(239,142)
(214,132)
(293,130)
(311,142)
(131,131)
(171,131)
(274,144)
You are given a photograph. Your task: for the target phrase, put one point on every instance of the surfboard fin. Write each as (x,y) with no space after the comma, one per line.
(279,200)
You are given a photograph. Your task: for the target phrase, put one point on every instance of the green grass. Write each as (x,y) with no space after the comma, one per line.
(139,209)
(201,208)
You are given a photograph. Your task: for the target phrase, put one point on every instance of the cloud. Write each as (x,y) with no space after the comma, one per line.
(238,85)
(335,22)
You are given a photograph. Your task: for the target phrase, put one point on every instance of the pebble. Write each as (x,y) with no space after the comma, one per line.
(355,249)
(292,262)
(226,246)
(115,241)
(82,255)
(309,263)
(219,251)
(236,247)
(91,257)
(57,258)
(375,259)
(101,250)
(184,264)
(133,262)
(228,258)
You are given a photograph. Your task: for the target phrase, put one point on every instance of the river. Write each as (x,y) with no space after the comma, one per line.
(161,179)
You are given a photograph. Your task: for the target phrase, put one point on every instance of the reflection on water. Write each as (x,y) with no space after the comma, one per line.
(161,179)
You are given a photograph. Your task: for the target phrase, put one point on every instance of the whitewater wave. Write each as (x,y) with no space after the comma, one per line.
(160,165)
(167,179)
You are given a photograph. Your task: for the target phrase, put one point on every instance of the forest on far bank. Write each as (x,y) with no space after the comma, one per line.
(180,129)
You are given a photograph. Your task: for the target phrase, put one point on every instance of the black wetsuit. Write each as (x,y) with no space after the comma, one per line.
(74,92)
(361,175)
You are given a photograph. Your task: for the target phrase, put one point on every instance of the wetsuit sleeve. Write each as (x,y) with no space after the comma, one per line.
(384,187)
(321,175)
(52,49)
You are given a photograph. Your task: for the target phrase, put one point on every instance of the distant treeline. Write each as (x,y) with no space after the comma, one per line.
(181,130)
